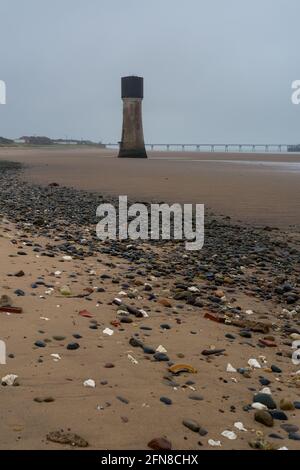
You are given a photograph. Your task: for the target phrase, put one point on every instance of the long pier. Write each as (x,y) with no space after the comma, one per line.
(239,148)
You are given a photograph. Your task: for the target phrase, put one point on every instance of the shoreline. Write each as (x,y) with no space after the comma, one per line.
(253,193)
(239,270)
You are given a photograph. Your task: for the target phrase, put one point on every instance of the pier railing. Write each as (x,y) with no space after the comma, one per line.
(251,148)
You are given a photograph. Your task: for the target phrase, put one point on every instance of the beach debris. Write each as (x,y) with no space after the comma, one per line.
(67,258)
(85,314)
(5,301)
(9,310)
(89,383)
(229,435)
(238,425)
(67,438)
(6,305)
(215,318)
(56,357)
(108,331)
(258,327)
(179,368)
(144,313)
(9,379)
(132,359)
(214,443)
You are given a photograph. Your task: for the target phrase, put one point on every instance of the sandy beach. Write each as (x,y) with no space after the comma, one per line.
(226,320)
(260,189)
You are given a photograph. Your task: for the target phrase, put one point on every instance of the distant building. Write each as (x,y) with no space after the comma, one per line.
(36,140)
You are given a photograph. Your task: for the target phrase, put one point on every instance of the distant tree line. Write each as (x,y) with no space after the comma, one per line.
(43,140)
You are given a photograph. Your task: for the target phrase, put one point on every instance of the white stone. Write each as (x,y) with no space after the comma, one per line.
(254,363)
(108,332)
(89,383)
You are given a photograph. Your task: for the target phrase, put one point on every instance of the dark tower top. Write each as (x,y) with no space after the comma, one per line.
(132,87)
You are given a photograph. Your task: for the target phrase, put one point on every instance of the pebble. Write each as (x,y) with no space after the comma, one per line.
(165,326)
(295,436)
(160,443)
(264,418)
(286,405)
(275,436)
(191,424)
(229,336)
(40,344)
(276,369)
(166,401)
(264,381)
(44,400)
(19,292)
(59,338)
(265,399)
(161,357)
(196,397)
(245,334)
(148,350)
(280,415)
(123,400)
(73,346)
(211,352)
(289,428)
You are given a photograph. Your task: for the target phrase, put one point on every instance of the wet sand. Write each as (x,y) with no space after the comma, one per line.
(258,189)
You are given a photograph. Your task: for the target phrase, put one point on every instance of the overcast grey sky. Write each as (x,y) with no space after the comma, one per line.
(214,70)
